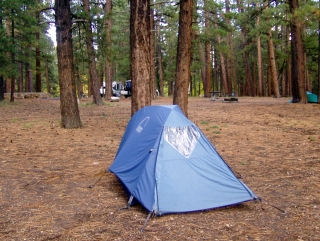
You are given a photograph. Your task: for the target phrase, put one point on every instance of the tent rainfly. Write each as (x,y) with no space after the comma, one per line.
(165,163)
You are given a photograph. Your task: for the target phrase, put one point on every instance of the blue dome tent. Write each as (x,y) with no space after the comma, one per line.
(166,164)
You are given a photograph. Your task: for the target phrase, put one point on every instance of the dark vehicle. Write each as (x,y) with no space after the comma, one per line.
(127,89)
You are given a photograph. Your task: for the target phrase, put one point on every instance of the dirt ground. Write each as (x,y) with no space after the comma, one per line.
(46,172)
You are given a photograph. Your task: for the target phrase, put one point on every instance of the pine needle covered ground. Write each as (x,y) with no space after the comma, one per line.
(46,172)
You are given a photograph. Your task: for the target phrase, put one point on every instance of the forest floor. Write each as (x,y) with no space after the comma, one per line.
(46,172)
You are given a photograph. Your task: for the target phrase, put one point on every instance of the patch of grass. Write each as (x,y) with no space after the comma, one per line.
(6,103)
(87,104)
(27,125)
(215,127)
(312,138)
(14,120)
(204,122)
(216,132)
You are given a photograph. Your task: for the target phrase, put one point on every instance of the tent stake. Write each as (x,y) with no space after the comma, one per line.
(145,222)
(272,206)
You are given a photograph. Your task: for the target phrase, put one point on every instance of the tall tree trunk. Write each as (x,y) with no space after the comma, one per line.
(8,33)
(208,64)
(298,63)
(318,62)
(249,91)
(259,52)
(222,67)
(29,73)
(92,57)
(38,61)
(231,72)
(152,57)
(70,116)
(108,27)
(26,82)
(160,68)
(1,76)
(1,88)
(202,56)
(20,77)
(47,77)
(308,80)
(182,78)
(140,59)
(289,61)
(13,77)
(160,72)
(29,77)
(269,78)
(79,86)
(273,67)
(215,71)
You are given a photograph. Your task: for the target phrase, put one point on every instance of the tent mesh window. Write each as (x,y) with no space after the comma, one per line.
(183,139)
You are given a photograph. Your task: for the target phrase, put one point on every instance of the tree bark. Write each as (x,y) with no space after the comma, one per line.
(152,57)
(91,57)
(319,62)
(38,60)
(222,66)
(140,59)
(273,67)
(259,52)
(208,63)
(20,77)
(1,88)
(13,77)
(250,90)
(160,66)
(182,79)
(298,62)
(47,77)
(202,57)
(70,117)
(231,59)
(8,32)
(108,24)
(1,76)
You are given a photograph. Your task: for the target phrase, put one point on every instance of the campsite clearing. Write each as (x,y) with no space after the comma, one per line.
(46,172)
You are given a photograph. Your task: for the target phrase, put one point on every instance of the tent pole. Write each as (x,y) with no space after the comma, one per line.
(145,222)
(129,203)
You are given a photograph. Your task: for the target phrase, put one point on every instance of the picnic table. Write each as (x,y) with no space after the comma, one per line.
(214,94)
